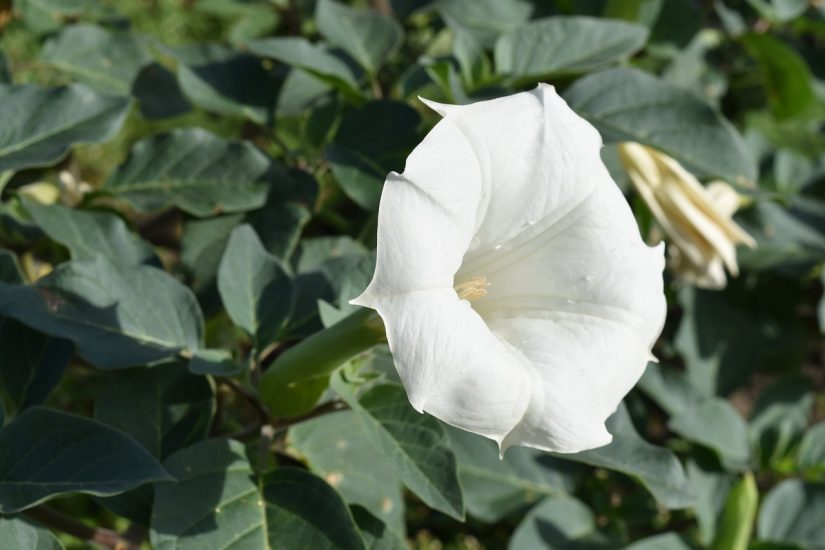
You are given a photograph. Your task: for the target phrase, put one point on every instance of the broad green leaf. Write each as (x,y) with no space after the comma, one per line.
(193,170)
(31,364)
(87,233)
(255,287)
(793,512)
(217,503)
(217,362)
(738,516)
(45,453)
(158,93)
(118,316)
(18,532)
(317,518)
(669,389)
(631,105)
(43,16)
(812,449)
(5,72)
(711,486)
(202,247)
(163,408)
(566,45)
(10,271)
(415,443)
(369,37)
(475,65)
(780,417)
(779,10)
(665,541)
(108,61)
(786,76)
(48,121)
(313,58)
(336,448)
(716,424)
(370,142)
(656,468)
(494,487)
(484,20)
(557,523)
(228,82)
(376,535)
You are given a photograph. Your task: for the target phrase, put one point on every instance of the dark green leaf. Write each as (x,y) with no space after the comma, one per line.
(793,512)
(43,16)
(665,541)
(5,72)
(10,271)
(812,449)
(31,364)
(484,20)
(566,45)
(716,424)
(45,453)
(495,487)
(89,233)
(780,417)
(669,389)
(18,532)
(711,486)
(369,37)
(631,105)
(786,76)
(108,61)
(50,120)
(118,316)
(376,535)
(255,288)
(202,247)
(415,444)
(194,170)
(158,93)
(657,468)
(557,523)
(313,58)
(337,449)
(217,362)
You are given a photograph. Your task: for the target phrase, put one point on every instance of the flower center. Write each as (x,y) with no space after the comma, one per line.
(472,289)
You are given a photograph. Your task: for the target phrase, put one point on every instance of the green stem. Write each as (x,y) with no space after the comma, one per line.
(323,352)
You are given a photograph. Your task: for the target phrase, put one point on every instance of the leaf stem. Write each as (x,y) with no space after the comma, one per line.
(61,522)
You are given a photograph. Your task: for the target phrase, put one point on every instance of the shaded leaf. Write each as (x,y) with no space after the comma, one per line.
(631,105)
(557,523)
(793,512)
(48,121)
(484,20)
(10,271)
(118,316)
(18,532)
(158,93)
(45,453)
(812,449)
(780,417)
(194,170)
(716,424)
(376,535)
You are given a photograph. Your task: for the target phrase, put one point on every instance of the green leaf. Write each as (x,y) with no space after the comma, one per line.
(738,516)
(10,271)
(556,46)
(227,82)
(716,425)
(89,233)
(375,533)
(5,72)
(484,20)
(30,372)
(304,512)
(369,37)
(665,541)
(216,503)
(313,58)
(43,16)
(118,316)
(656,468)
(415,444)
(336,448)
(158,93)
(556,523)
(792,512)
(786,76)
(780,417)
(19,532)
(711,486)
(779,10)
(631,105)
(255,287)
(202,247)
(812,449)
(370,142)
(45,453)
(670,390)
(108,61)
(494,487)
(193,170)
(48,121)
(217,362)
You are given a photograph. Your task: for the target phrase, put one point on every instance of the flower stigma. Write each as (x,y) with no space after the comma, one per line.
(472,289)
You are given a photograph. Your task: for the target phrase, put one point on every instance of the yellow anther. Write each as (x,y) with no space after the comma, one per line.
(472,289)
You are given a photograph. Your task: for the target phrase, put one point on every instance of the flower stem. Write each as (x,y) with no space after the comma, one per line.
(323,352)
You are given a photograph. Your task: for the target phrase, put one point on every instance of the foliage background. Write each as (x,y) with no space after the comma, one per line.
(203,194)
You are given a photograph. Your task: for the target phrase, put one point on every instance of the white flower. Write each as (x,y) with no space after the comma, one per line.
(519,300)
(697,219)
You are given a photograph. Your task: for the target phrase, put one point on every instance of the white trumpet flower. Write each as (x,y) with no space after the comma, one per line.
(519,299)
(697,219)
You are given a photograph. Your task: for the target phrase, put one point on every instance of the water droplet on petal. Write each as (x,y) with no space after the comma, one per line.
(497,247)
